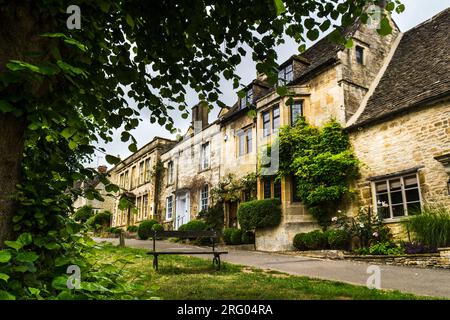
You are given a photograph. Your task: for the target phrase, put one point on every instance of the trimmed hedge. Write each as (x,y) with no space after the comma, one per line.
(226,235)
(194,225)
(157,227)
(315,240)
(248,237)
(299,241)
(338,239)
(236,236)
(259,214)
(132,228)
(145,229)
(318,240)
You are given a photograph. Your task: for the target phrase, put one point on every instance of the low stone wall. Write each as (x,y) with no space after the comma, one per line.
(427,260)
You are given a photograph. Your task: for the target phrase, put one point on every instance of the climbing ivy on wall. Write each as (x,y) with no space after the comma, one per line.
(322,161)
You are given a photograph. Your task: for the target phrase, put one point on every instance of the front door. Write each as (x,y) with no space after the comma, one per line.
(232,215)
(182,210)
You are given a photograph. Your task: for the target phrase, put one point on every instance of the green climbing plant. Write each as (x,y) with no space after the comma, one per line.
(322,161)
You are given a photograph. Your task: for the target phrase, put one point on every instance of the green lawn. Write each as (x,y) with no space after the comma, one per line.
(182,278)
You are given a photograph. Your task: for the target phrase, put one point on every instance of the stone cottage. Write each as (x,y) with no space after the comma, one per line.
(392,95)
(401,130)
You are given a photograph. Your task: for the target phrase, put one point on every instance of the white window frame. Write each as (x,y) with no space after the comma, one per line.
(169,209)
(170,172)
(405,202)
(205,156)
(204,201)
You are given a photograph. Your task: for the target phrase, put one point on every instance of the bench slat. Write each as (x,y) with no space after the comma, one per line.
(186,252)
(185,234)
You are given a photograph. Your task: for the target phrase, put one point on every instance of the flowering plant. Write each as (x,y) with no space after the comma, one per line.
(365,226)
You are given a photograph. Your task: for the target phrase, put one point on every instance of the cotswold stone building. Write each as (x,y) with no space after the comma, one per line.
(392,95)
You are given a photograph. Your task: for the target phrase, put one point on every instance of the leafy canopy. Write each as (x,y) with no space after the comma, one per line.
(72,88)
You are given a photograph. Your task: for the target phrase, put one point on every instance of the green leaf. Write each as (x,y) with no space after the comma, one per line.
(112,159)
(14,244)
(16,65)
(385,27)
(5,295)
(34,291)
(282,91)
(25,239)
(68,132)
(60,283)
(133,147)
(349,43)
(5,106)
(4,276)
(66,39)
(279,5)
(27,257)
(5,256)
(74,71)
(130,21)
(313,34)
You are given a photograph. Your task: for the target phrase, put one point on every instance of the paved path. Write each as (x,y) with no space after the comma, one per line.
(431,282)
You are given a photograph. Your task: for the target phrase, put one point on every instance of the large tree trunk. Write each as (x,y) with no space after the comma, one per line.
(11,147)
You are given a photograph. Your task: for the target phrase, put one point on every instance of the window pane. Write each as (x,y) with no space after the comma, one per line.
(412,195)
(266,124)
(413,208)
(296,111)
(381,187)
(267,193)
(249,140)
(383,212)
(395,185)
(242,139)
(396,197)
(398,210)
(277,189)
(276,118)
(410,182)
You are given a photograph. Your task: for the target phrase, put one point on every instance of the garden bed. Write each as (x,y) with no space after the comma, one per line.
(423,260)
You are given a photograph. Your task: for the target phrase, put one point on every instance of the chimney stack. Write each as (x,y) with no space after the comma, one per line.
(102,169)
(200,117)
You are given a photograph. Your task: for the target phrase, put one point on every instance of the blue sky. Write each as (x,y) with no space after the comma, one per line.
(416,12)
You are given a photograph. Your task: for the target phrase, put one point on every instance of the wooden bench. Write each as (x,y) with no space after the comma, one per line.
(186,234)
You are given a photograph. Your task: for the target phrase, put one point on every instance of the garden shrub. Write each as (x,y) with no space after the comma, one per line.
(226,235)
(145,229)
(100,220)
(382,248)
(431,227)
(157,227)
(213,217)
(194,225)
(248,237)
(236,236)
(315,240)
(114,230)
(83,214)
(259,214)
(132,228)
(299,241)
(338,239)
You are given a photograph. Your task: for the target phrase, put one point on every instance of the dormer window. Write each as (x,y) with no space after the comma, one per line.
(359,52)
(247,100)
(285,75)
